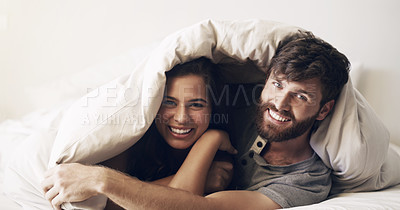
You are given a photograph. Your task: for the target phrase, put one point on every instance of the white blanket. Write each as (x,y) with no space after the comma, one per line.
(352,141)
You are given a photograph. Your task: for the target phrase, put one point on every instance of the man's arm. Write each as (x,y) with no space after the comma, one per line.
(60,186)
(141,195)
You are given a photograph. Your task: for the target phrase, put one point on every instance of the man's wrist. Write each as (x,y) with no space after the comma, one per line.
(102,182)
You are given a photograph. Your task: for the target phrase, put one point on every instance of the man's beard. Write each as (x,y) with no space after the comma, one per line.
(272,132)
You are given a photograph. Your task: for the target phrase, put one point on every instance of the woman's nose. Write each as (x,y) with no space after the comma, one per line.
(181,116)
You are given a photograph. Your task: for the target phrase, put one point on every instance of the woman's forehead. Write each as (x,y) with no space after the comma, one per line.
(186,86)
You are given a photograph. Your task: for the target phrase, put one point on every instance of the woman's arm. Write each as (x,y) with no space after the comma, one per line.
(219,175)
(192,175)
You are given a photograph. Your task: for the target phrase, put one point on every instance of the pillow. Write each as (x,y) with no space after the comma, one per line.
(354,142)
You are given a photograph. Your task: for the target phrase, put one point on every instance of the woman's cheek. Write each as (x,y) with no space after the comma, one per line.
(202,118)
(164,115)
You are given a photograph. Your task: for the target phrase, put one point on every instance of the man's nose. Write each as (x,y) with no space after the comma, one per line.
(282,101)
(181,116)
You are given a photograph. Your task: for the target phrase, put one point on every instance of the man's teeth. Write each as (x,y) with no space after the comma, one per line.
(180,131)
(277,117)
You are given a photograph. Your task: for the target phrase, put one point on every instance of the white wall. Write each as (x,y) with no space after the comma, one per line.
(41,40)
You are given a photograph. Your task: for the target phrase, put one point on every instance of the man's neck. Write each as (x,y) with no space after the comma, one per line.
(288,152)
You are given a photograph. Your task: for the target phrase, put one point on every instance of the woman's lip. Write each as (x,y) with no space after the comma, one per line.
(175,131)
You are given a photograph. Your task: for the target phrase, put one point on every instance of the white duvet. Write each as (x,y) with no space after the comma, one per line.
(352,141)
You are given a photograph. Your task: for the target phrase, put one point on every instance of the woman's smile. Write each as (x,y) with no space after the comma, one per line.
(180,132)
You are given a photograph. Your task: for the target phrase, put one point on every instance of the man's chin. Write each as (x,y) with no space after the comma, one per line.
(274,134)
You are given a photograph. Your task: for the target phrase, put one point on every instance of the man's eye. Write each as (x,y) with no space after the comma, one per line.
(301,97)
(277,84)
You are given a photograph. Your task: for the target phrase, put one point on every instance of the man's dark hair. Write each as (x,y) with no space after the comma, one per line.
(306,57)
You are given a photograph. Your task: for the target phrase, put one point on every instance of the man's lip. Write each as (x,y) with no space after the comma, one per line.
(277,117)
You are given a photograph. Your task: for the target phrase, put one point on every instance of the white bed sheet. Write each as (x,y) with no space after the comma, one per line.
(14,132)
(6,203)
(383,199)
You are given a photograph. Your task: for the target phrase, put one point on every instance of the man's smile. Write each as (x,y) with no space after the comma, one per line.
(277,116)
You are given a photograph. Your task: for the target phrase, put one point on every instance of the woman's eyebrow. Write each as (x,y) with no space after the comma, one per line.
(170,97)
(198,99)
(192,100)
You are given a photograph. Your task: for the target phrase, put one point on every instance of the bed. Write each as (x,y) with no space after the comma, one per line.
(61,132)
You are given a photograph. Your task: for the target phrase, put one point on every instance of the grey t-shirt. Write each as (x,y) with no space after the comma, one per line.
(302,183)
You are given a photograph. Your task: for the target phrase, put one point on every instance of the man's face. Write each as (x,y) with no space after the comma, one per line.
(288,109)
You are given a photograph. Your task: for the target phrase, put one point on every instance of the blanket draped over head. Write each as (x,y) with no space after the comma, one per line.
(352,140)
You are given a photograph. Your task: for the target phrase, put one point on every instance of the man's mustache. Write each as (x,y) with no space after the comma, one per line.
(264,106)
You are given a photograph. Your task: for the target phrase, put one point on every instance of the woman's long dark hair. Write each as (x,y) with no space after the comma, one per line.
(150,157)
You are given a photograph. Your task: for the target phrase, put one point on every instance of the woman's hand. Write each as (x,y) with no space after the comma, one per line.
(192,174)
(220,173)
(222,137)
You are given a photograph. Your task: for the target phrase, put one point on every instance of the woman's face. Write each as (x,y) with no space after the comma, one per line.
(185,111)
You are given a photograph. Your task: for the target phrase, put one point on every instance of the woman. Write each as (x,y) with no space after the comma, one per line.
(178,150)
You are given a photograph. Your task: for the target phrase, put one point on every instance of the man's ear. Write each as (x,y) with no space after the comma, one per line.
(325,109)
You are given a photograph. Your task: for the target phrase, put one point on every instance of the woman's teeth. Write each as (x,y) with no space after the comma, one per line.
(277,117)
(180,131)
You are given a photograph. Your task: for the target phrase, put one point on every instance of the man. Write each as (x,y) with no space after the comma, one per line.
(275,166)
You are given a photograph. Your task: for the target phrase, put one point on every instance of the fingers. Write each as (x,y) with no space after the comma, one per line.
(47,184)
(56,202)
(231,150)
(50,191)
(50,172)
(219,176)
(51,194)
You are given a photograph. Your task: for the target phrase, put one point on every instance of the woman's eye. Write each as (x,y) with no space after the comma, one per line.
(197,105)
(169,103)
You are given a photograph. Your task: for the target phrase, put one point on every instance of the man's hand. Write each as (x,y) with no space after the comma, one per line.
(71,183)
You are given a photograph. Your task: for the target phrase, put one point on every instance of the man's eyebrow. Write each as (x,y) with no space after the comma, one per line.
(278,79)
(303,91)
